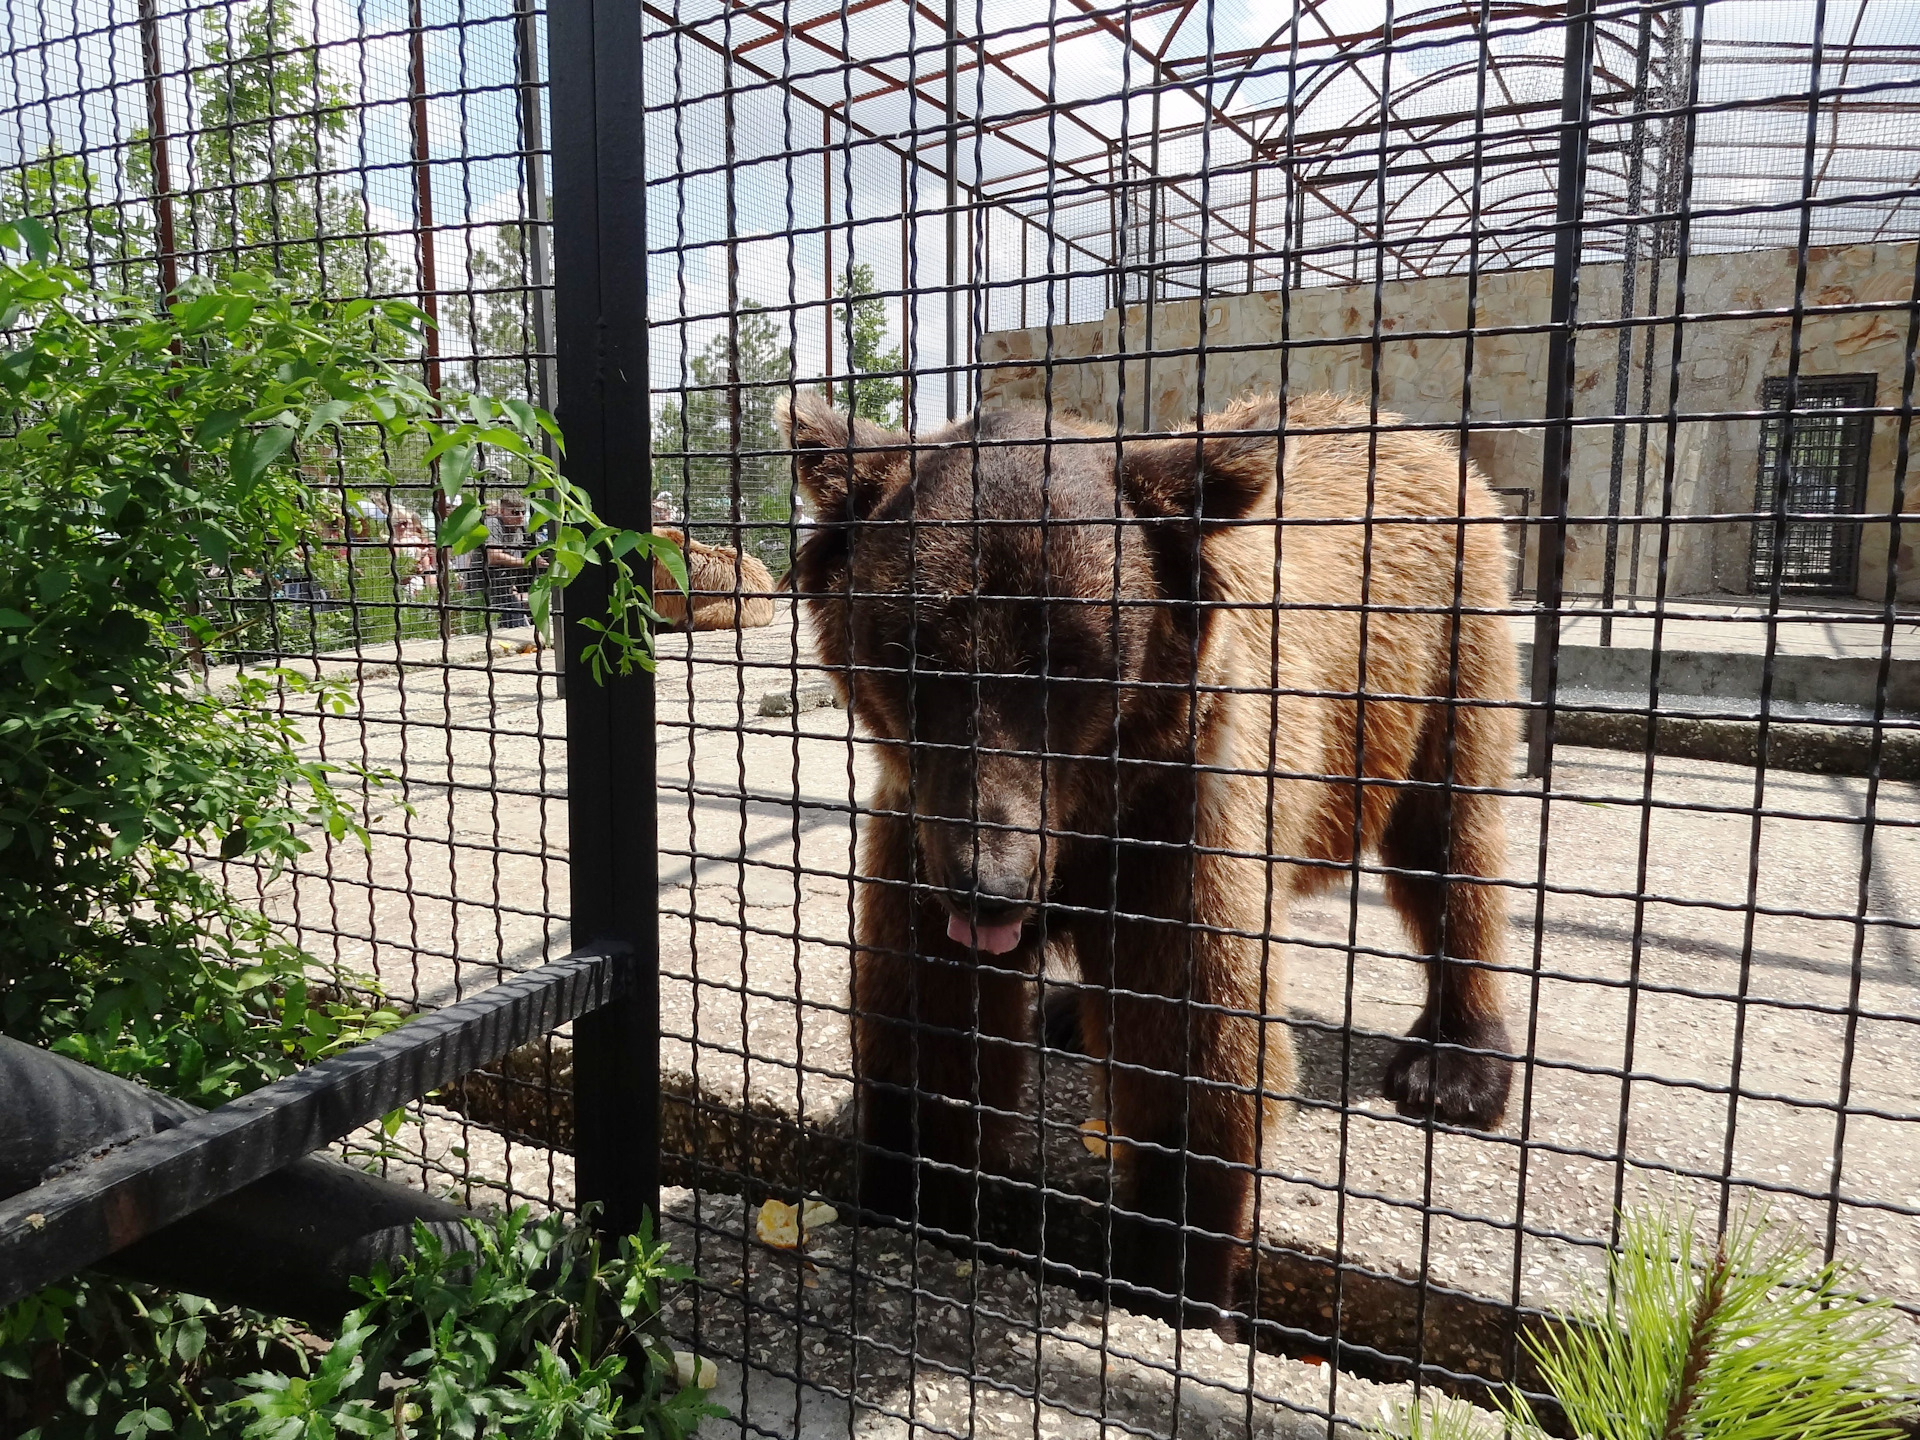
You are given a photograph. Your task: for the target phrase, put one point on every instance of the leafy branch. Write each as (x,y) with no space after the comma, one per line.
(575,537)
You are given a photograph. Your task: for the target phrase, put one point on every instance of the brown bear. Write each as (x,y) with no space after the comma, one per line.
(1119,714)
(731,590)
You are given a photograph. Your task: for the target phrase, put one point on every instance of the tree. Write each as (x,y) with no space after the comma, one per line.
(864,319)
(266,126)
(96,223)
(1752,1338)
(696,434)
(698,437)
(493,322)
(268,123)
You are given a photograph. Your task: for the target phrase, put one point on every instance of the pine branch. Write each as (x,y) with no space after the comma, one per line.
(1706,1321)
(1761,1342)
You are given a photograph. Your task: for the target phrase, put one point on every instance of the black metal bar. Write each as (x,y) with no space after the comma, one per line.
(1576,91)
(539,217)
(80,1219)
(600,230)
(288,1244)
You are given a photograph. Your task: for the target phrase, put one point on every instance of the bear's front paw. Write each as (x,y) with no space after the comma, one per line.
(1453,1086)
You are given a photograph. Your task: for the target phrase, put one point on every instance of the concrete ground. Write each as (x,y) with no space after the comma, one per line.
(1663,941)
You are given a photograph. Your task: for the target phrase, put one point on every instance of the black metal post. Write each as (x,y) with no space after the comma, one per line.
(953,209)
(600,293)
(1576,90)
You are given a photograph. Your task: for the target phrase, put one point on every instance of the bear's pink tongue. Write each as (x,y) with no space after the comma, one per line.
(988,939)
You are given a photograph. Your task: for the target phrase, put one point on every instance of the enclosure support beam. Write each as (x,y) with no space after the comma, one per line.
(423,228)
(600,304)
(953,209)
(158,143)
(81,1218)
(826,249)
(424,243)
(1576,91)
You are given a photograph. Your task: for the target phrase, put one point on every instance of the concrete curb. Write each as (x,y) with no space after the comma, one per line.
(1791,745)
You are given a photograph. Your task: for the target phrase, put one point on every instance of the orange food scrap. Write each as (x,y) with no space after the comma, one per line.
(778,1225)
(1093,1135)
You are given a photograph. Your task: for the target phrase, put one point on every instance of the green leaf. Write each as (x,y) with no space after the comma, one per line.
(523,416)
(240,309)
(465,527)
(124,630)
(254,450)
(323,416)
(39,244)
(194,314)
(668,554)
(455,466)
(217,426)
(212,540)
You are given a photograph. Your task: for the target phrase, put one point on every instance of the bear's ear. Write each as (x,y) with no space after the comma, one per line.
(1221,473)
(844,466)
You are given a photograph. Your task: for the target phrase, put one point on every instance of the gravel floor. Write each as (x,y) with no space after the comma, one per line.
(861,1333)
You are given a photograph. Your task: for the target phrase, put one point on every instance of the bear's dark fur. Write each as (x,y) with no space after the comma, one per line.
(1018,612)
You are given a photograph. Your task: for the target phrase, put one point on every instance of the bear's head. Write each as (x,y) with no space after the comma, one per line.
(1010,609)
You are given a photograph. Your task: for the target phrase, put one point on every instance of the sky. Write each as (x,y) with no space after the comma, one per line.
(83,91)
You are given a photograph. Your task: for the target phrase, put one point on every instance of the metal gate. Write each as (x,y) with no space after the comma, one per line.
(1813,463)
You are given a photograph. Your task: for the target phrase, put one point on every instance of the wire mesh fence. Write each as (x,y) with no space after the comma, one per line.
(991,857)
(372,151)
(1300,679)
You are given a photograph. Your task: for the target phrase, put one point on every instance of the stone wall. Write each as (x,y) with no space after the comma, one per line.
(1858,305)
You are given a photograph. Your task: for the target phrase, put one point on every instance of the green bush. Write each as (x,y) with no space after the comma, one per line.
(143,454)
(537,1334)
(151,459)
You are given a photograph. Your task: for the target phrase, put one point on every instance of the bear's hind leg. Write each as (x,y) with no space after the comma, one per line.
(1453,1065)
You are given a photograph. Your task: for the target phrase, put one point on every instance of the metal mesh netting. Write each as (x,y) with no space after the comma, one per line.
(1575,278)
